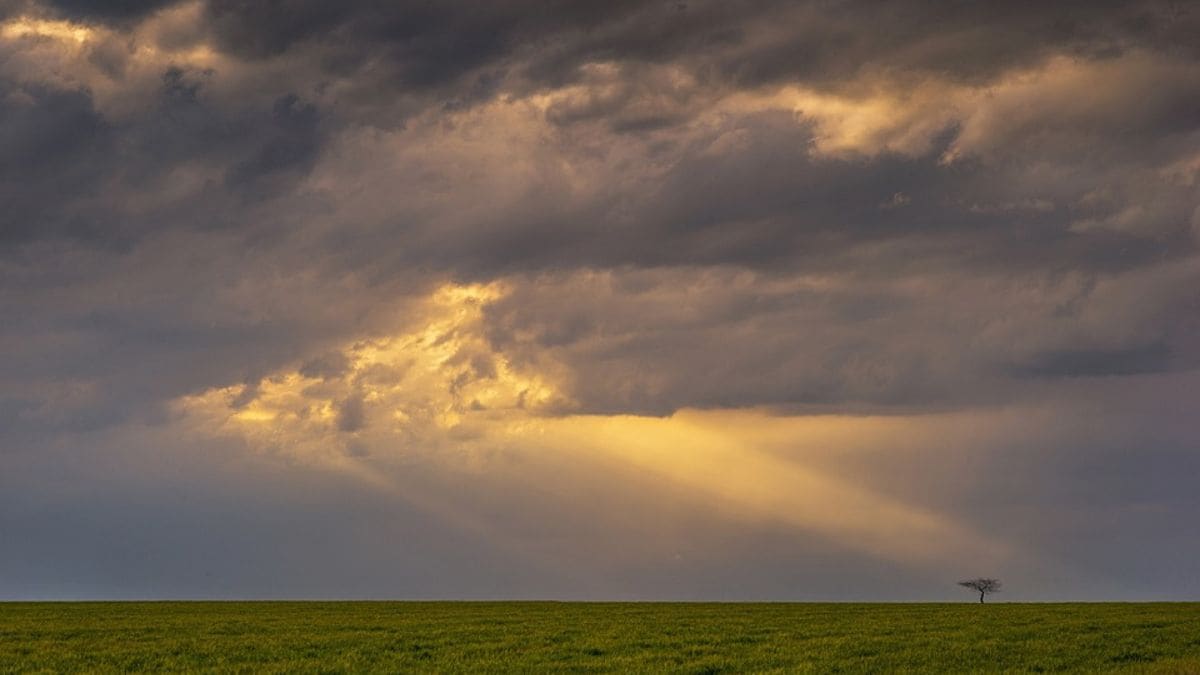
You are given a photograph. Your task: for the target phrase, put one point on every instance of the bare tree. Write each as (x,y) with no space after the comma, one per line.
(983,585)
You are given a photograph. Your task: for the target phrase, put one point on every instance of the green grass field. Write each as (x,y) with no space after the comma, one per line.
(629,637)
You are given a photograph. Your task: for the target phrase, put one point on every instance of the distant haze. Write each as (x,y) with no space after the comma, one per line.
(828,300)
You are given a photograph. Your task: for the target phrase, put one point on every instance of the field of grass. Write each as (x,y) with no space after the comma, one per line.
(629,637)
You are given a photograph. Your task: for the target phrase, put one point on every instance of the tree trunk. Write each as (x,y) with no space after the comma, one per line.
(981,597)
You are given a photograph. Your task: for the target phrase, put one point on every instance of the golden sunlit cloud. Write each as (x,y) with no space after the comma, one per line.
(882,114)
(440,378)
(114,67)
(26,27)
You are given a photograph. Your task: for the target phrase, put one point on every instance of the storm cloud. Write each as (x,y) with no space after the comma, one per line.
(440,270)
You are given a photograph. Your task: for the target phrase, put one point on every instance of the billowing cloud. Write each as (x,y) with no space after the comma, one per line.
(635,301)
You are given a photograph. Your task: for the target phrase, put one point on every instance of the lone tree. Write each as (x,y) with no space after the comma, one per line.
(984,586)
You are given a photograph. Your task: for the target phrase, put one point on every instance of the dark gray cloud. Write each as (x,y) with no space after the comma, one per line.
(108,10)
(1082,189)
(656,341)
(424,44)
(1152,358)
(51,141)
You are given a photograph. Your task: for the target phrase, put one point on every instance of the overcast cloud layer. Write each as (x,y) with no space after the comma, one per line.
(678,299)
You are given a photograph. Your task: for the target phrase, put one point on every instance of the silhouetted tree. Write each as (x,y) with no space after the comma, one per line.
(982,585)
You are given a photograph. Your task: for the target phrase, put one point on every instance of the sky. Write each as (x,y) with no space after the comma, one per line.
(634,300)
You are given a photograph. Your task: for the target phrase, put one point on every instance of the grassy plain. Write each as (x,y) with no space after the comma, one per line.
(595,637)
